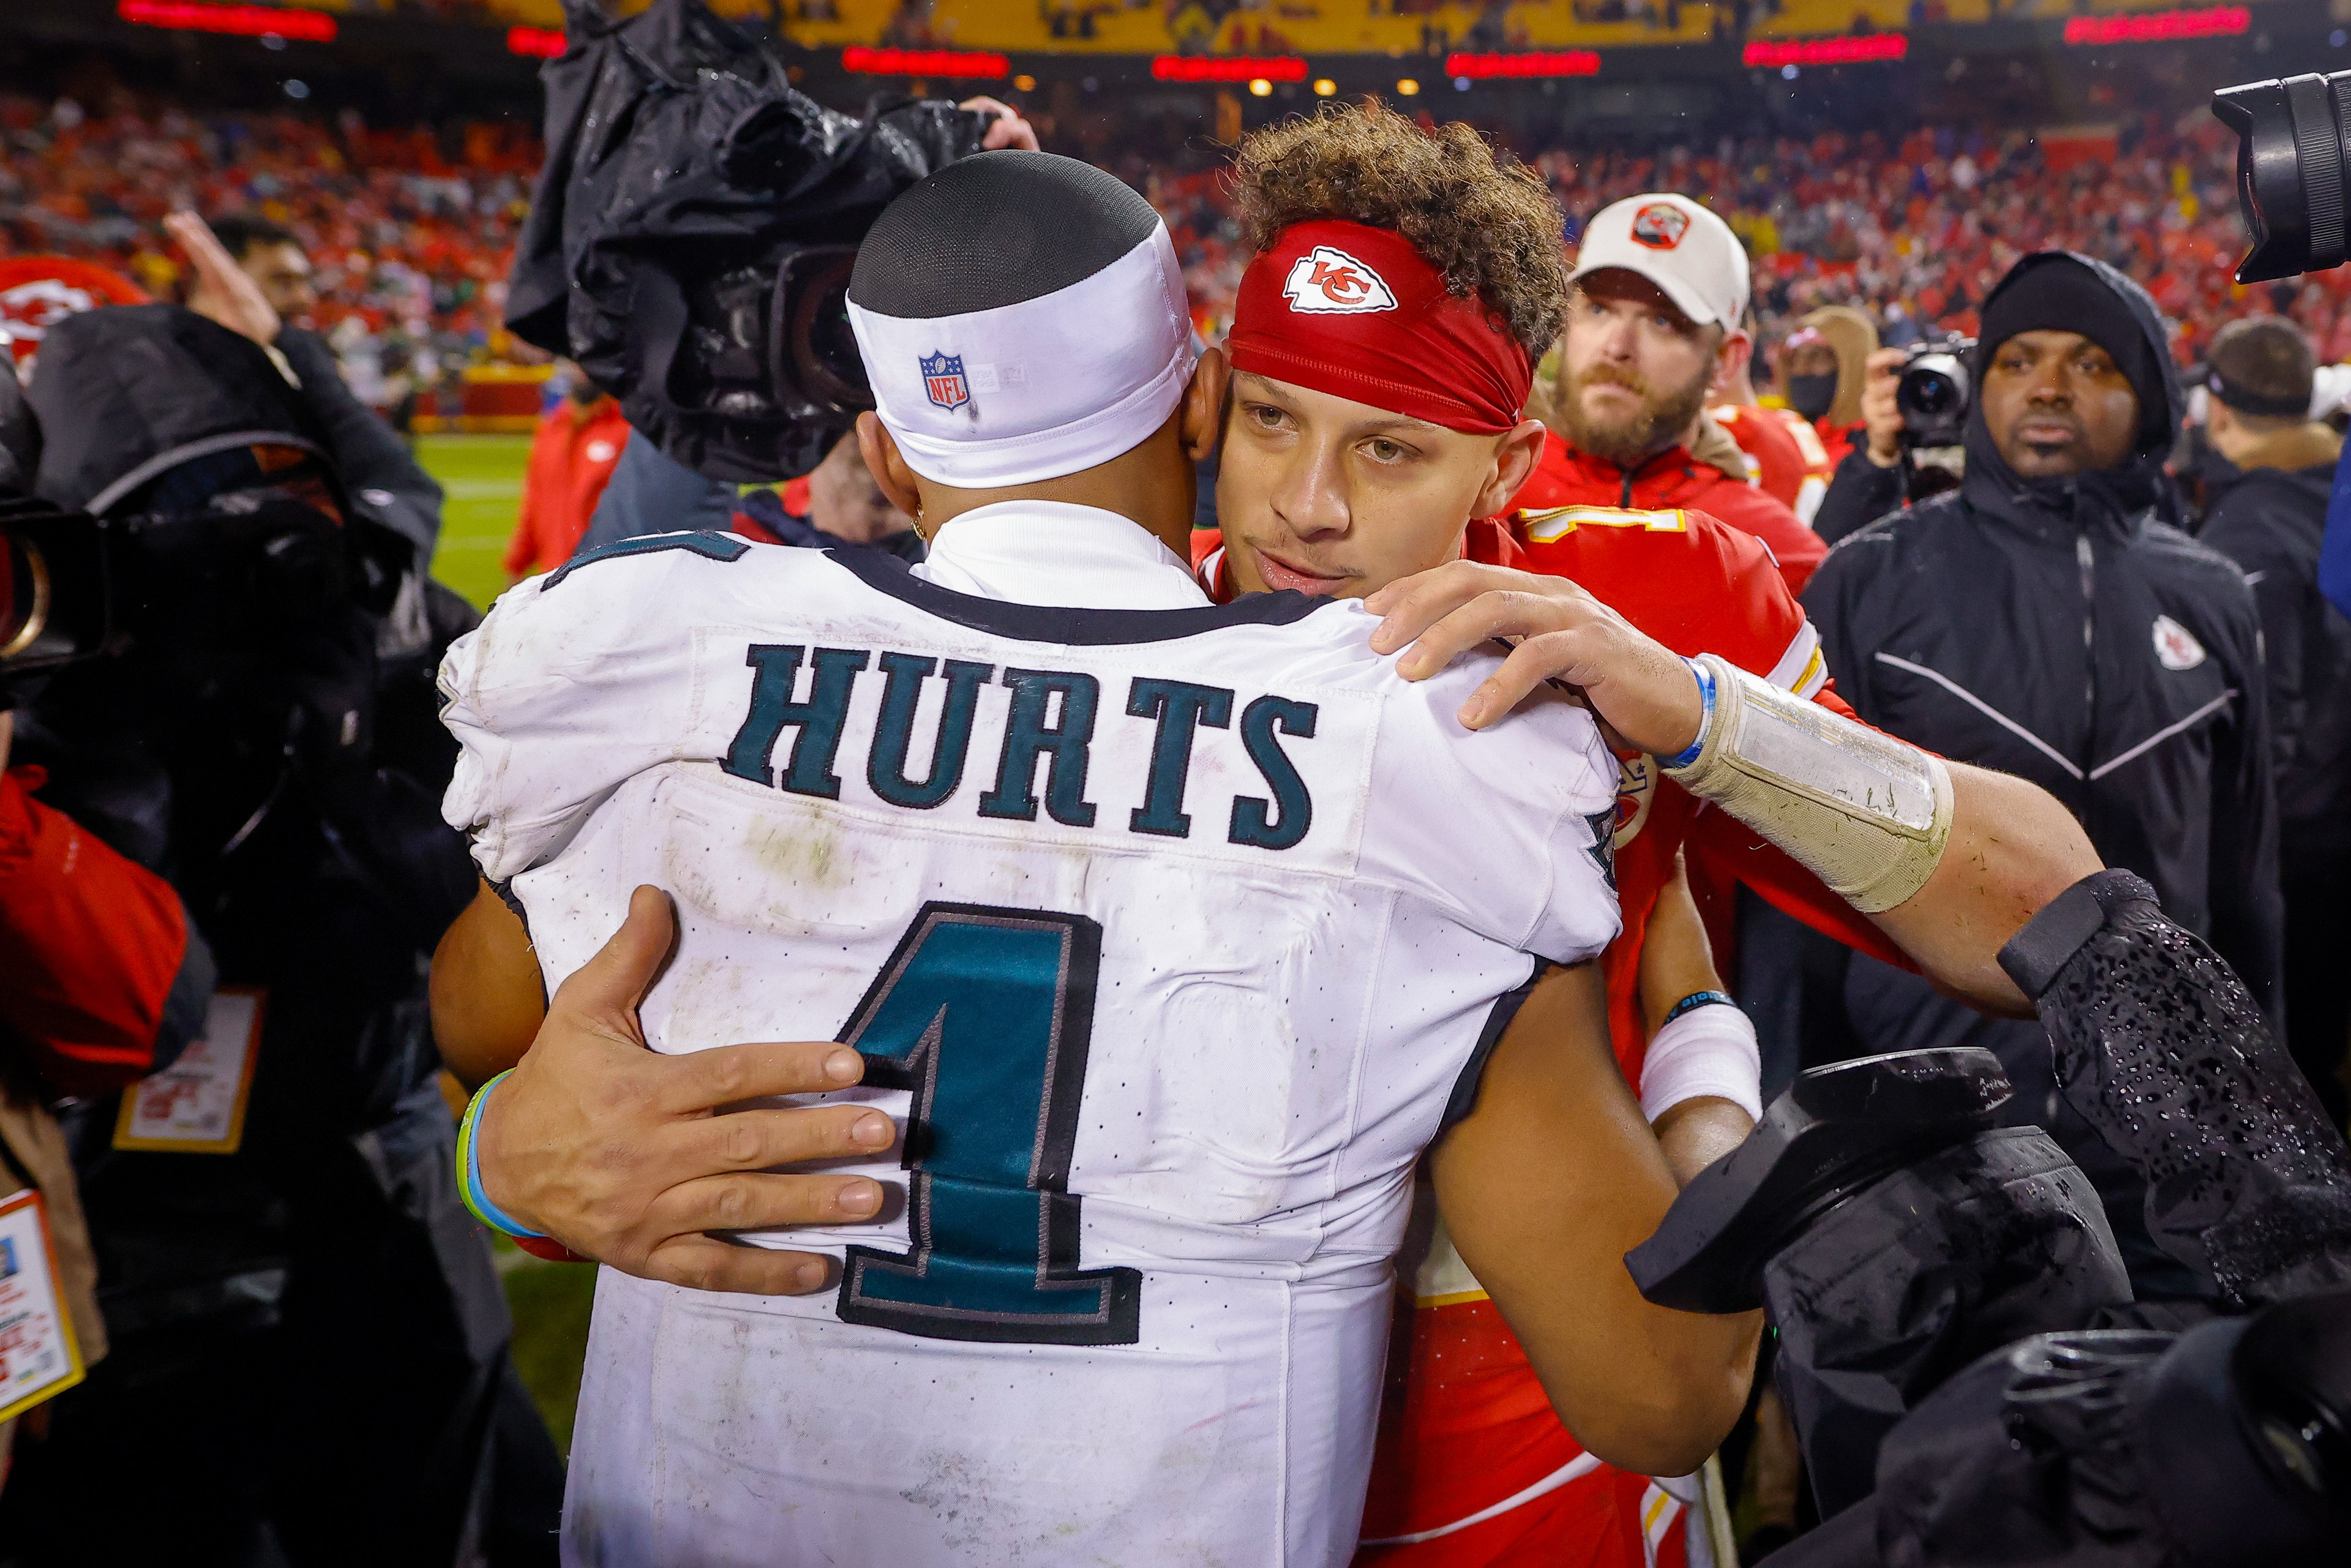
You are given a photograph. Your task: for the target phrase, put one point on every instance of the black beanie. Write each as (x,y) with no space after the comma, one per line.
(2061,294)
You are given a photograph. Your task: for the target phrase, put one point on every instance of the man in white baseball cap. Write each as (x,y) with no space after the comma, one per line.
(1681,247)
(1653,337)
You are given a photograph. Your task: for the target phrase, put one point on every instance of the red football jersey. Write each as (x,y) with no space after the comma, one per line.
(1772,460)
(1820,464)
(1783,453)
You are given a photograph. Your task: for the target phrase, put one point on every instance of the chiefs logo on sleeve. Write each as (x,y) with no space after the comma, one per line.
(1327,281)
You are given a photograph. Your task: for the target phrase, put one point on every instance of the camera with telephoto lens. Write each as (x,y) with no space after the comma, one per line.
(2293,172)
(1935,390)
(57,603)
(183,565)
(696,262)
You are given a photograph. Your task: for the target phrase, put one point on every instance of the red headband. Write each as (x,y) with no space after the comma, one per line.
(1356,311)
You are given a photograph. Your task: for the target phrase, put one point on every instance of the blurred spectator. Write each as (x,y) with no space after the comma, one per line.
(410,231)
(380,476)
(836,504)
(1653,330)
(1784,455)
(2042,621)
(572,455)
(2265,494)
(269,255)
(1826,361)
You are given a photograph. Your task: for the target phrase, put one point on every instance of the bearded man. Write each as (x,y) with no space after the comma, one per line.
(1653,336)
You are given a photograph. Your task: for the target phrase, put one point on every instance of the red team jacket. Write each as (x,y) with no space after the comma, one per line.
(91,947)
(1673,480)
(1784,455)
(571,459)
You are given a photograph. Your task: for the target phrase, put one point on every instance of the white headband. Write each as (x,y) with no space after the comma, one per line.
(1032,392)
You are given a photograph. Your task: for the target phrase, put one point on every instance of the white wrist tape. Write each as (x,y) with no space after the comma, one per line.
(1708,1050)
(1864,812)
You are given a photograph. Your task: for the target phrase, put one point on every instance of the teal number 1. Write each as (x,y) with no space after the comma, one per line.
(986,1014)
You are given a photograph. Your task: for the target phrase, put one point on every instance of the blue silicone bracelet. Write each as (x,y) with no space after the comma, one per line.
(1705,718)
(469,1171)
(1694,1000)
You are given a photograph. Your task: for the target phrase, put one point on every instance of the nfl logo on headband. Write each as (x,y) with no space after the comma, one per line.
(943,378)
(1327,281)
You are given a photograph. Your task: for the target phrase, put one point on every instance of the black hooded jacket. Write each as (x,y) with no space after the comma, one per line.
(2060,631)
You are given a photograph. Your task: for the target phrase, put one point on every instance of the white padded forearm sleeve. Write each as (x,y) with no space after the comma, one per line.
(1708,1050)
(1864,812)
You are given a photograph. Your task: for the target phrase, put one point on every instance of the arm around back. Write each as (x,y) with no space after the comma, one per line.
(1545,1186)
(488,997)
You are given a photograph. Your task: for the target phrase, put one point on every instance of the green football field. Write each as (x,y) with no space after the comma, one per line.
(482,478)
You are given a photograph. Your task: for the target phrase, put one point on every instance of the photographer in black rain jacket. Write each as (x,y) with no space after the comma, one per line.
(2045,621)
(309,1363)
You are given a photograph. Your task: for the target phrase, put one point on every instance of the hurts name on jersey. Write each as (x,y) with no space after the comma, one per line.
(931,706)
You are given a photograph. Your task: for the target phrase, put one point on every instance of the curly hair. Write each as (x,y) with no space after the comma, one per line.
(1485,221)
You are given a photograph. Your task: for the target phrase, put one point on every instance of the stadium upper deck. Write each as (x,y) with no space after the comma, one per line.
(1244,27)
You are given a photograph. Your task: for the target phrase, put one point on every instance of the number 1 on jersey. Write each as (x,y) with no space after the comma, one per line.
(986,1015)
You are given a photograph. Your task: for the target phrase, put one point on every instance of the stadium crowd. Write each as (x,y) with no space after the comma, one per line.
(412,232)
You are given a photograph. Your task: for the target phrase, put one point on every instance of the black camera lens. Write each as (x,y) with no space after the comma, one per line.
(1930,392)
(1933,392)
(815,352)
(2293,172)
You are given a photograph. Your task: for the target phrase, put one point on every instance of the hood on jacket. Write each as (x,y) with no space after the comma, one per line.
(1720,450)
(2138,481)
(1853,336)
(2293,449)
(126,393)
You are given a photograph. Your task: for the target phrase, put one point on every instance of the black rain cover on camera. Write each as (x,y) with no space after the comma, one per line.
(2160,1047)
(1903,1284)
(679,154)
(126,393)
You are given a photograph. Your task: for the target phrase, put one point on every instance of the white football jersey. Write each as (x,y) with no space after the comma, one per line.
(1168,930)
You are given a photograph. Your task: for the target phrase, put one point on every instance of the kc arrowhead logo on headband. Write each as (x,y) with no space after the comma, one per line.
(1327,281)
